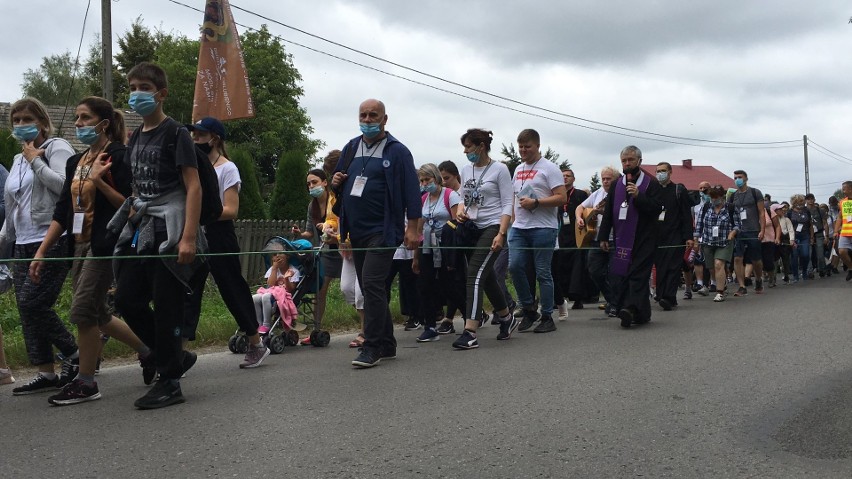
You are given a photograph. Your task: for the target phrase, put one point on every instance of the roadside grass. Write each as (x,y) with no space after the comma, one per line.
(215,328)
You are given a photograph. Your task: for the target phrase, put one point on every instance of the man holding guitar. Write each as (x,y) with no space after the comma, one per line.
(588,216)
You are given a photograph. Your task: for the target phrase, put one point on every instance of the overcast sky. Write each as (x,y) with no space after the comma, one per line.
(734,71)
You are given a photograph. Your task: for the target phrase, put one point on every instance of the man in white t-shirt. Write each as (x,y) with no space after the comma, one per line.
(598,260)
(539,192)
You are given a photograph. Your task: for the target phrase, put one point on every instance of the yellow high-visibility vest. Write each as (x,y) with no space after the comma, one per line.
(846,216)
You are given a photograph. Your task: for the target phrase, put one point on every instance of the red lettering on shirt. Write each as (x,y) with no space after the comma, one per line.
(525,175)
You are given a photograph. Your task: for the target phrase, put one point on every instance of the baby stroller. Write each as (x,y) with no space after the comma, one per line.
(301,255)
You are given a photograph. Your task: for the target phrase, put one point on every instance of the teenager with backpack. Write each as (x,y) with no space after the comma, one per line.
(165,221)
(433,277)
(716,228)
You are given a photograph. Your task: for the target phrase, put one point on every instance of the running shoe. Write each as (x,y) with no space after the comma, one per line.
(507,327)
(563,311)
(255,356)
(6,377)
(70,368)
(546,325)
(428,335)
(75,392)
(446,327)
(367,359)
(412,324)
(466,341)
(530,317)
(166,392)
(37,384)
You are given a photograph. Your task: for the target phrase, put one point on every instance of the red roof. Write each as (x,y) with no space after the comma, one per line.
(691,175)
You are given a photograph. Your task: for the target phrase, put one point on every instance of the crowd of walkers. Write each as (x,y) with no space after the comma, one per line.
(451,235)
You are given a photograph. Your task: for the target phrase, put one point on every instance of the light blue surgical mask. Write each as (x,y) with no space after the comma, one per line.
(739,182)
(142,102)
(25,132)
(371,130)
(87,134)
(472,157)
(705,197)
(662,176)
(430,188)
(316,191)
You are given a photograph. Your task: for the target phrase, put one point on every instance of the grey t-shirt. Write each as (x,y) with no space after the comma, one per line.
(746,203)
(156,168)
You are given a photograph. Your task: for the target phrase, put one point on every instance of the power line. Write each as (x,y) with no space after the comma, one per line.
(820,149)
(504,107)
(824,148)
(494,95)
(76,65)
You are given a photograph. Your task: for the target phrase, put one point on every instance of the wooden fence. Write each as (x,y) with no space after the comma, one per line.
(253,234)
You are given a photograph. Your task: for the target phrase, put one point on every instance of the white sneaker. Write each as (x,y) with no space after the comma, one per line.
(6,377)
(719,297)
(704,290)
(563,311)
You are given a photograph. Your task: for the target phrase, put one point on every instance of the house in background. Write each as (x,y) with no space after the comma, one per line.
(63,122)
(690,175)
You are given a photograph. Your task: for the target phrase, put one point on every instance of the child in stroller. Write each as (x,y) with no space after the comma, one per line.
(281,280)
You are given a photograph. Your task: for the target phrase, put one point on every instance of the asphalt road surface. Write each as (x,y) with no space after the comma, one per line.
(754,387)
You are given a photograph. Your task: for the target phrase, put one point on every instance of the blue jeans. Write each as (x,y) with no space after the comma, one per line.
(801,256)
(544,240)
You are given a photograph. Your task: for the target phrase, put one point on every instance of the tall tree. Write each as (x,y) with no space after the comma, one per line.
(135,46)
(251,201)
(178,55)
(290,197)
(9,147)
(54,81)
(595,183)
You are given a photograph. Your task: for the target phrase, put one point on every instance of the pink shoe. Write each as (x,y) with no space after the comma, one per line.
(262,329)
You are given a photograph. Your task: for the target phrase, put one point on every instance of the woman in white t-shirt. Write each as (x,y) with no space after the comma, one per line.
(209,135)
(438,208)
(484,215)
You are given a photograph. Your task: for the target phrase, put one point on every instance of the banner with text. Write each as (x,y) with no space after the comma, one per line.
(222,85)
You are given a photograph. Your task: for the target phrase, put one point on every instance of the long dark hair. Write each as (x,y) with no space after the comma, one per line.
(115,130)
(314,209)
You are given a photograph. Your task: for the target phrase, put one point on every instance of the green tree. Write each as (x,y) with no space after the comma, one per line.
(838,193)
(251,201)
(92,75)
(54,81)
(595,184)
(9,147)
(290,197)
(178,55)
(280,123)
(137,45)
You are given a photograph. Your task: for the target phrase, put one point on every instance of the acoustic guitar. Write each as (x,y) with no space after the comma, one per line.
(586,235)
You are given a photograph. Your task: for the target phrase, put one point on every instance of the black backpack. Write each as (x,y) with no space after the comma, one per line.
(211,203)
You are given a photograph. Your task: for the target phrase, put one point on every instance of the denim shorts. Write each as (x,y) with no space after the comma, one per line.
(748,246)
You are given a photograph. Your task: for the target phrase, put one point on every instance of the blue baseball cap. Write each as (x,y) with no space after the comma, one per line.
(209,124)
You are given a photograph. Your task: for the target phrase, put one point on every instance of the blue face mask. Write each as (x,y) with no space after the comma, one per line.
(87,134)
(142,102)
(739,182)
(371,130)
(472,157)
(430,188)
(705,197)
(661,177)
(25,132)
(316,192)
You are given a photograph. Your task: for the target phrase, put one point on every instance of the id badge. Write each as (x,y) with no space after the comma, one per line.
(662,215)
(566,219)
(77,226)
(473,212)
(743,215)
(715,231)
(799,227)
(622,213)
(358,186)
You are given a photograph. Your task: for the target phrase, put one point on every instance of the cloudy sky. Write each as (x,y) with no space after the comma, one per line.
(728,71)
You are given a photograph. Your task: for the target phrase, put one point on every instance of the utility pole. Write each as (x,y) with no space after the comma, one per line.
(106,48)
(807,171)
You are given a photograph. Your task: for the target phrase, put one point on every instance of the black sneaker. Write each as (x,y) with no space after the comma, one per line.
(665,304)
(546,325)
(412,324)
(483,318)
(75,392)
(626,317)
(713,288)
(367,359)
(530,317)
(466,341)
(507,327)
(166,392)
(37,384)
(446,327)
(428,335)
(149,368)
(70,368)
(388,353)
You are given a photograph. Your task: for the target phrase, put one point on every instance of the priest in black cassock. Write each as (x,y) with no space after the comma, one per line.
(632,215)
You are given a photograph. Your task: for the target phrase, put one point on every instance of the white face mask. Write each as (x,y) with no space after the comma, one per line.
(662,176)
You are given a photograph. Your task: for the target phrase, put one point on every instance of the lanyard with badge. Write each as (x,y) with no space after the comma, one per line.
(566,220)
(79,211)
(472,207)
(361,180)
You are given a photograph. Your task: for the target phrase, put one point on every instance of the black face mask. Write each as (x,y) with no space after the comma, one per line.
(633,173)
(205,147)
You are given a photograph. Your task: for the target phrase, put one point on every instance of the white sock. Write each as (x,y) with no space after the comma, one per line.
(700,283)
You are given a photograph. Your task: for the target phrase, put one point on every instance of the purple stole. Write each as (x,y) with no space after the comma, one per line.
(625,230)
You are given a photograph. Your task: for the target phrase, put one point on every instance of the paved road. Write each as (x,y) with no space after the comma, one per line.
(754,387)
